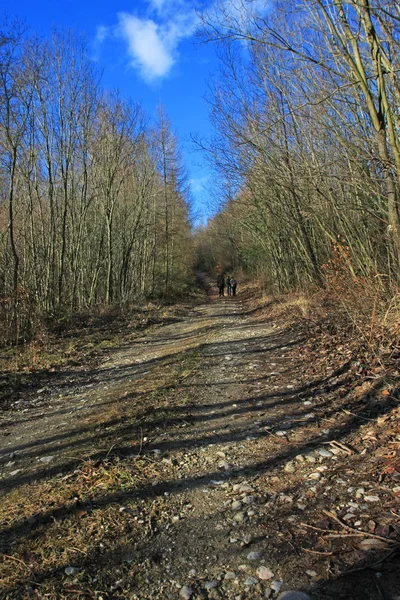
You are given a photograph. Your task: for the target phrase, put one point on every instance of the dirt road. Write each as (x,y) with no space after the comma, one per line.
(191,463)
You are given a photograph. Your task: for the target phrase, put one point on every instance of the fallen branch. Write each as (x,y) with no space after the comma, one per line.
(357,531)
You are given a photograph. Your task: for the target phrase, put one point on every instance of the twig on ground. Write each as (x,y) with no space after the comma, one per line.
(332,536)
(332,533)
(319,528)
(280,438)
(317,552)
(141,443)
(76,550)
(357,531)
(341,446)
(348,412)
(108,453)
(16,560)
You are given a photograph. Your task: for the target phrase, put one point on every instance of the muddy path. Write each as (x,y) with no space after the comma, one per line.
(195,462)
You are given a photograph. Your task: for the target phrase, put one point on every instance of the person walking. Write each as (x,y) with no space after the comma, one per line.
(221,285)
(228,285)
(233,286)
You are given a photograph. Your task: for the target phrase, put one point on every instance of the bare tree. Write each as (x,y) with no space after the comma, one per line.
(306,110)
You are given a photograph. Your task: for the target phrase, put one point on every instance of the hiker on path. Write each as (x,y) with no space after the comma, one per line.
(221,285)
(233,286)
(228,285)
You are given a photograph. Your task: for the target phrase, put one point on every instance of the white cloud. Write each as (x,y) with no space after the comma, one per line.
(152,43)
(152,36)
(198,184)
(157,5)
(146,46)
(181,26)
(101,34)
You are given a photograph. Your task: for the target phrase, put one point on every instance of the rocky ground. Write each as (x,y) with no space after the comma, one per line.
(222,455)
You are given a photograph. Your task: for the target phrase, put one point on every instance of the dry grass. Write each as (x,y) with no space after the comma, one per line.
(65,523)
(90,519)
(77,519)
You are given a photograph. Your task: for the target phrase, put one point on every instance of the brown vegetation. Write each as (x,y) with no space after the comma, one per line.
(93,200)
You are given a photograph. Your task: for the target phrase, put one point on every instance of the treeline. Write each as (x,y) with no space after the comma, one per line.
(93,197)
(306,111)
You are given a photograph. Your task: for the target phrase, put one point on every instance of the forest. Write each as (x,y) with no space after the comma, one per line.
(306,144)
(158,441)
(95,202)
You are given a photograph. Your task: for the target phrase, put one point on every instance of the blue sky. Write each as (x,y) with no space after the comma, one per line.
(147,50)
